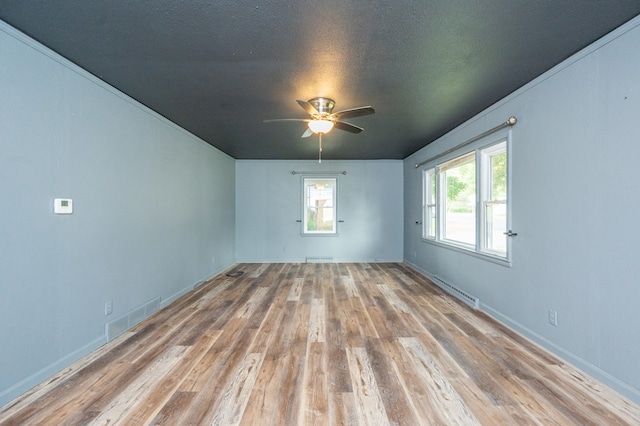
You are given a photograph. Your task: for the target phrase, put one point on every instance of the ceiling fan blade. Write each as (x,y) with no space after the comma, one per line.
(343,125)
(307,133)
(306,120)
(310,109)
(353,112)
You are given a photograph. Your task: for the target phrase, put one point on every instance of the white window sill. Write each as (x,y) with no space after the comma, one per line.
(503,261)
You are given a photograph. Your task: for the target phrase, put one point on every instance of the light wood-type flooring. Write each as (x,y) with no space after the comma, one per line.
(320,344)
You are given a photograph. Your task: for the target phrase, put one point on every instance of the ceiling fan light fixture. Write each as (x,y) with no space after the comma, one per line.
(320,126)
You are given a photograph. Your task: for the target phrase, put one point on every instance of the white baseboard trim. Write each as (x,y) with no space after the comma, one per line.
(175,296)
(335,260)
(9,394)
(567,356)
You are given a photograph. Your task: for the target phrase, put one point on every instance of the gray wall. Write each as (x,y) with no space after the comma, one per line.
(575,200)
(154,211)
(269,201)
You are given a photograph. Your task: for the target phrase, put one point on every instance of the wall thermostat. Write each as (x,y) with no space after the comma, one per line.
(62,206)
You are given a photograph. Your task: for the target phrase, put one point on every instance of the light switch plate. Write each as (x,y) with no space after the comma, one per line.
(63,206)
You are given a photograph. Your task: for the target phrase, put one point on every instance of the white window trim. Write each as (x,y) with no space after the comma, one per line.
(484,173)
(428,176)
(475,251)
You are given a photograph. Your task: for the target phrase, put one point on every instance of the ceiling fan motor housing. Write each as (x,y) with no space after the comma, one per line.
(323,105)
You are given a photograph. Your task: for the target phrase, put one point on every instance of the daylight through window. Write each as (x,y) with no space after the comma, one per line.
(319,205)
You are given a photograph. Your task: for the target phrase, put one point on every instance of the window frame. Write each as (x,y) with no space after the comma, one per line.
(483,150)
(304,222)
(429,205)
(486,199)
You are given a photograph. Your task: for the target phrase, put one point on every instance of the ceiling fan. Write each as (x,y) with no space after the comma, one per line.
(323,119)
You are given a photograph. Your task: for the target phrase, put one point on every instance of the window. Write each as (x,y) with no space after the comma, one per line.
(465,201)
(494,199)
(319,205)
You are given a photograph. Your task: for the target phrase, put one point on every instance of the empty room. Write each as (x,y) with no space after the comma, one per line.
(292,213)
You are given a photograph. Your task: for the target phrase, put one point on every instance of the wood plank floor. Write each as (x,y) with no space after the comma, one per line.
(320,344)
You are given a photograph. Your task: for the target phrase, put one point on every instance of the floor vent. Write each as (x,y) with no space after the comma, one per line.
(470,300)
(123,323)
(319,259)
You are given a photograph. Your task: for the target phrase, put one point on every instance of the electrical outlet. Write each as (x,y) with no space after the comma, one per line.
(553,317)
(108,308)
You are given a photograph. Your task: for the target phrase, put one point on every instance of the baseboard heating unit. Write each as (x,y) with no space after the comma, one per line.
(467,298)
(319,259)
(121,324)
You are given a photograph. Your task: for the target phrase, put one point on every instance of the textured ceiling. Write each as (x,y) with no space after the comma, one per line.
(218,68)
